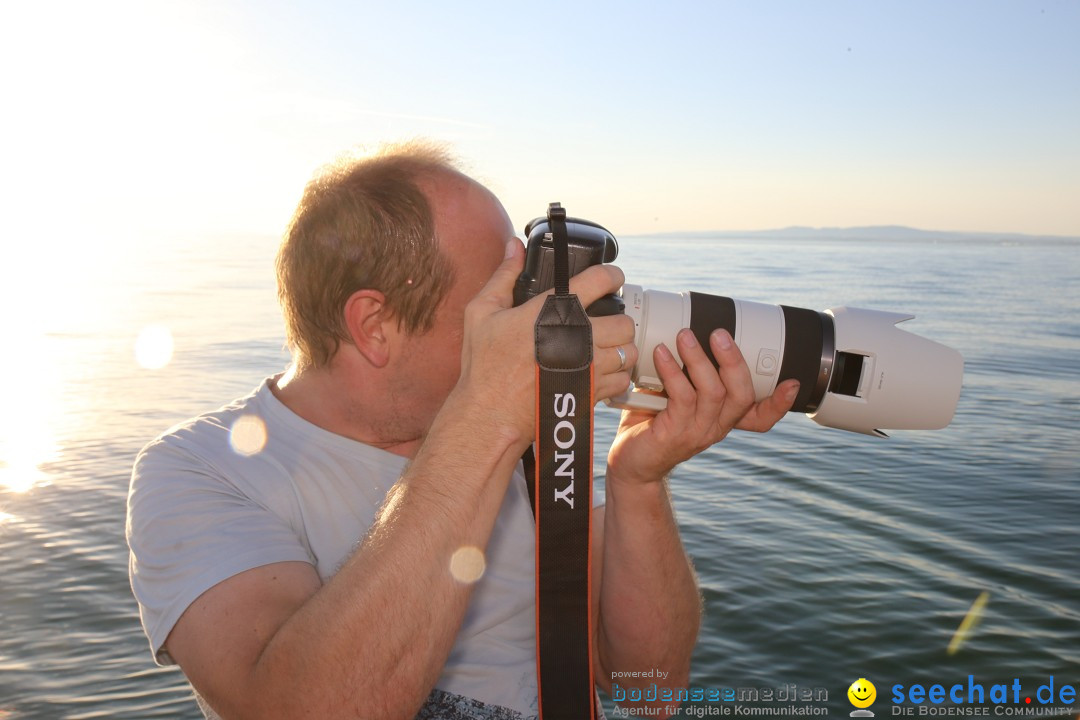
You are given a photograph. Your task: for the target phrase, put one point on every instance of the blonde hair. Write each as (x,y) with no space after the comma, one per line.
(363,223)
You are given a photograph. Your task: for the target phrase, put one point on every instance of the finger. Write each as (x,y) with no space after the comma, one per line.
(595,282)
(682,399)
(711,392)
(613,330)
(499,290)
(608,360)
(735,375)
(768,412)
(607,386)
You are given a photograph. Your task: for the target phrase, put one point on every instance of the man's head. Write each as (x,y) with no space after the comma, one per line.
(374,274)
(364,224)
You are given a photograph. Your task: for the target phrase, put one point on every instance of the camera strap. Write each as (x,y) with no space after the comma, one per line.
(563,495)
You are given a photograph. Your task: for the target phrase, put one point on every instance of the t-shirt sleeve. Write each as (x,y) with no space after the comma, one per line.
(188,529)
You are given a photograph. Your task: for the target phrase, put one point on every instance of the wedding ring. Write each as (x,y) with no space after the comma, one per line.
(622,358)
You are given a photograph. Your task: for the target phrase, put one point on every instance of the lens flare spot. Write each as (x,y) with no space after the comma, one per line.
(247,436)
(467,564)
(154,347)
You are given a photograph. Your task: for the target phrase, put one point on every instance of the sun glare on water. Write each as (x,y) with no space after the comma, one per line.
(50,296)
(126,111)
(80,196)
(27,438)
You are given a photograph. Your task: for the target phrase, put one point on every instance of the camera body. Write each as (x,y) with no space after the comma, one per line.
(588,244)
(857,371)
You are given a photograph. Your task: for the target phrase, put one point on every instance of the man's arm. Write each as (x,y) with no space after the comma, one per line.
(649,606)
(372,642)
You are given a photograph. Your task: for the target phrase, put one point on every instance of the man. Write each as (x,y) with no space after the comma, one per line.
(370,554)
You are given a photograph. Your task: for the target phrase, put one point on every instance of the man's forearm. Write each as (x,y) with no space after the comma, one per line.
(650,609)
(373,641)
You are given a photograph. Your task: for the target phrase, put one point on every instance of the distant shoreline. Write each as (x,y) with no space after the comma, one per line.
(887,233)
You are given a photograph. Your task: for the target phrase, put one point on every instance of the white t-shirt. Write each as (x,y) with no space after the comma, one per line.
(253,483)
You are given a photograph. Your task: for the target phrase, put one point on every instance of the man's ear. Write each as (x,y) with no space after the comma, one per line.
(368,321)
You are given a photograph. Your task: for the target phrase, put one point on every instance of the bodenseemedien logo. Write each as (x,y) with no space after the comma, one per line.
(861,694)
(788,700)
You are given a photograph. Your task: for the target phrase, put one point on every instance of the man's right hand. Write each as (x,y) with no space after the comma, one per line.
(498,365)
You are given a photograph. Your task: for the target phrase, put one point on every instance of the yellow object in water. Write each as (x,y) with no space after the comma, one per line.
(974,614)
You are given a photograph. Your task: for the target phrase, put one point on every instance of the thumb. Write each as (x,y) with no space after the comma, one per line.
(499,290)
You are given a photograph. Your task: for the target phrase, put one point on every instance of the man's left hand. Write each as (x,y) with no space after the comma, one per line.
(699,413)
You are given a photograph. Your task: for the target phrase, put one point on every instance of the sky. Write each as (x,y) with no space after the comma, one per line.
(127,120)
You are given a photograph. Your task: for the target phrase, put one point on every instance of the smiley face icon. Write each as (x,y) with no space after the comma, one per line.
(862,693)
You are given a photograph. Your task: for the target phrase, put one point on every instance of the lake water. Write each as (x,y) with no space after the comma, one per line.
(823,556)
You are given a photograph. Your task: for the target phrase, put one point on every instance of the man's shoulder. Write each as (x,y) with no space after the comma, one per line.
(257,446)
(205,428)
(200,442)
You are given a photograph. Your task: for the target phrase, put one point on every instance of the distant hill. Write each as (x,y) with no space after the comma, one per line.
(892,233)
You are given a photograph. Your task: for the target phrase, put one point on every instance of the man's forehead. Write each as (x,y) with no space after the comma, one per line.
(450,185)
(458,201)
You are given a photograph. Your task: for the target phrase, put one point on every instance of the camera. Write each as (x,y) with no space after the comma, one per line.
(857,370)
